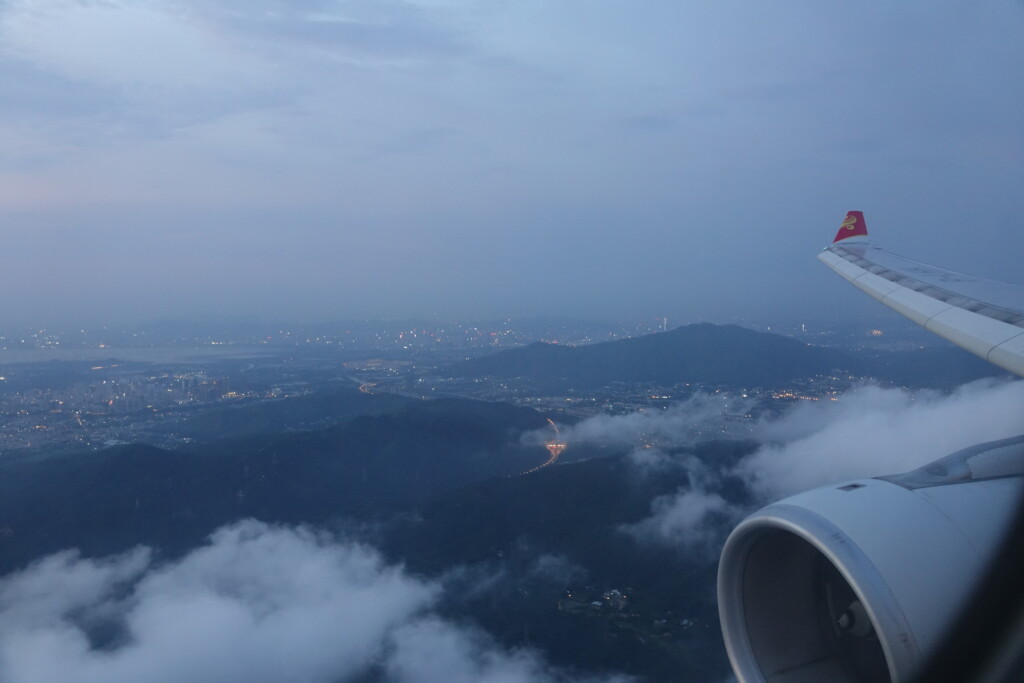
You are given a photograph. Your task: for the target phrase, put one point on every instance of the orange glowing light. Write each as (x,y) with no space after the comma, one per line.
(555,448)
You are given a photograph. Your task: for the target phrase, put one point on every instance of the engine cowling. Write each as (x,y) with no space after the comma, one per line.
(860,580)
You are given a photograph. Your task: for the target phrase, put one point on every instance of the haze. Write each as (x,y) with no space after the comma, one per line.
(328,160)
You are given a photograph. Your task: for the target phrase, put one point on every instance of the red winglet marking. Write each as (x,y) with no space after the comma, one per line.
(853,226)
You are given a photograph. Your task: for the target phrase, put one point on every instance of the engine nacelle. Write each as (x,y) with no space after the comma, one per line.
(860,580)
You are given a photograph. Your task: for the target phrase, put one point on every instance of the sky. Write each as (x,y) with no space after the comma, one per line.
(317,160)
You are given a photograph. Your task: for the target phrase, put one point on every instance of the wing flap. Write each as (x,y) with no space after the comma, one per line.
(918,307)
(971,331)
(1009,355)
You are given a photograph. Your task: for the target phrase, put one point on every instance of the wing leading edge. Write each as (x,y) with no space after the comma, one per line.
(982,316)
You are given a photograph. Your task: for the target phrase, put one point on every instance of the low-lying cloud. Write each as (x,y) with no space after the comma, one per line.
(690,519)
(434,650)
(679,423)
(693,517)
(869,432)
(257,603)
(872,431)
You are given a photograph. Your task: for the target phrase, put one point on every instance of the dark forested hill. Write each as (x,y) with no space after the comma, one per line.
(578,513)
(109,500)
(721,355)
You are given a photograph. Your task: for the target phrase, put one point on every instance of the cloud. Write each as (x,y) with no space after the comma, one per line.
(30,599)
(115,43)
(681,423)
(869,432)
(651,461)
(471,582)
(691,519)
(557,569)
(873,431)
(431,650)
(695,517)
(257,603)
(501,578)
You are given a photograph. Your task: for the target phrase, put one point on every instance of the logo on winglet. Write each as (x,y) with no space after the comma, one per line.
(852,226)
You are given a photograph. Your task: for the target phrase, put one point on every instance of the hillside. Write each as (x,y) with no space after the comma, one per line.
(107,501)
(721,355)
(576,512)
(699,353)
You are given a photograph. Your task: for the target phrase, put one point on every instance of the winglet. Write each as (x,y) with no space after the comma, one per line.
(853,226)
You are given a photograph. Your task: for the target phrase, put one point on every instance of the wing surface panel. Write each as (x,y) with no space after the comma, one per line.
(1005,299)
(982,316)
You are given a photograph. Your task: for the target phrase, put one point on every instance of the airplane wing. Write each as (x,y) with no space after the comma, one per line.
(982,316)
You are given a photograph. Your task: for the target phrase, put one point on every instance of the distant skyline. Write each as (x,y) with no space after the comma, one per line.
(276,160)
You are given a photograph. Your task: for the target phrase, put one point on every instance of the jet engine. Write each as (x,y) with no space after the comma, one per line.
(859,581)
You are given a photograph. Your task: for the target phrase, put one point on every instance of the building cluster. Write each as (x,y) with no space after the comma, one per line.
(115,405)
(647,621)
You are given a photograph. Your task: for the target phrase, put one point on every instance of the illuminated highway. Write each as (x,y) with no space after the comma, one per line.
(555,448)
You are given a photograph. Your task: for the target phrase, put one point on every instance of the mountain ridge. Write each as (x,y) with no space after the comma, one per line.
(721,355)
(697,353)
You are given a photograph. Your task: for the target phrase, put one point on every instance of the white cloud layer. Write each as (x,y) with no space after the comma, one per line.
(258,603)
(869,432)
(872,431)
(433,651)
(679,423)
(136,44)
(686,520)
